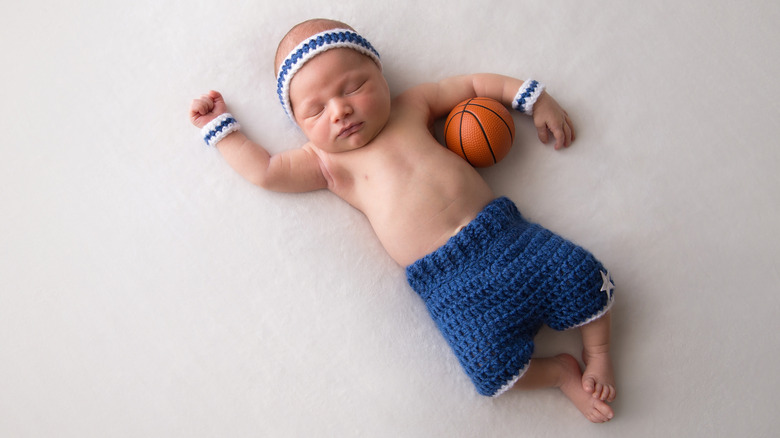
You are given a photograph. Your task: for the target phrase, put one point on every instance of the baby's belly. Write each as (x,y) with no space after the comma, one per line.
(416,194)
(409,236)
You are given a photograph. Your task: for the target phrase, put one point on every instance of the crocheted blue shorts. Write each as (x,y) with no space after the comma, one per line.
(492,286)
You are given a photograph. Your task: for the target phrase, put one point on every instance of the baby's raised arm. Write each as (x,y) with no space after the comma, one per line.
(547,114)
(296,170)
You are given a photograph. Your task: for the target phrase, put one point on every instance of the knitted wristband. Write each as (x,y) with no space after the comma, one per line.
(219,128)
(527,95)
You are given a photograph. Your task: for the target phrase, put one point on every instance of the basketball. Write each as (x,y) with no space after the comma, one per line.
(480,130)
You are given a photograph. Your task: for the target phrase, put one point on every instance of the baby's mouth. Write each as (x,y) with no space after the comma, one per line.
(350,129)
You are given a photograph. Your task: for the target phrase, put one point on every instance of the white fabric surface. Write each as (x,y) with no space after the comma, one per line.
(146,290)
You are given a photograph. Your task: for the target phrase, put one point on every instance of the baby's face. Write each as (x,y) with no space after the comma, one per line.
(340,99)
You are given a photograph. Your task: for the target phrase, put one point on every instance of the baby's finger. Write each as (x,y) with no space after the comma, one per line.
(200,107)
(215,95)
(196,110)
(543,133)
(209,103)
(196,107)
(567,135)
(560,136)
(204,104)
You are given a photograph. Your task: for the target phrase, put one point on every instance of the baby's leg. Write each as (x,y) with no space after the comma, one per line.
(563,372)
(598,378)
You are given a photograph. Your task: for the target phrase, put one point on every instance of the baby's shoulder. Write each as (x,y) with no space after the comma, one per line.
(415,100)
(421,92)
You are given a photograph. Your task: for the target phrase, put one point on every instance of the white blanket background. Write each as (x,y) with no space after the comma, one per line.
(147,290)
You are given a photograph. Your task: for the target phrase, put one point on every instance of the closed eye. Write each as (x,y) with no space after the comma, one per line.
(354,88)
(312,112)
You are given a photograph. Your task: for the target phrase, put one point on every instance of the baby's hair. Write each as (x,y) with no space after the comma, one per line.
(301,31)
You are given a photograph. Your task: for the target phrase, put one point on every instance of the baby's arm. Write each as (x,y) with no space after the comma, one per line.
(548,115)
(296,170)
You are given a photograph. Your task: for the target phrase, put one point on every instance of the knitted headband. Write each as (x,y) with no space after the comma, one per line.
(313,46)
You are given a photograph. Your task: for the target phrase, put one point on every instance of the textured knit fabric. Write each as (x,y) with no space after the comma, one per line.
(219,128)
(527,96)
(491,287)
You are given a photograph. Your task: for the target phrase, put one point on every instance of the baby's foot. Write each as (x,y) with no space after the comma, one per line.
(598,378)
(594,409)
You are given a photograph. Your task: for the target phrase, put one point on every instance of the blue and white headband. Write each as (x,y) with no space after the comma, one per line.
(313,46)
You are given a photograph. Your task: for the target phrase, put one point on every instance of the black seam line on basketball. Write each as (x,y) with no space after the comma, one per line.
(484,134)
(460,130)
(449,119)
(460,133)
(511,136)
(446,127)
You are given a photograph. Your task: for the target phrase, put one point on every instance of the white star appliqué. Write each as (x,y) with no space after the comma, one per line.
(607,287)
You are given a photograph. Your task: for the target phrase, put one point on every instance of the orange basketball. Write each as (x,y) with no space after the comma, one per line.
(480,130)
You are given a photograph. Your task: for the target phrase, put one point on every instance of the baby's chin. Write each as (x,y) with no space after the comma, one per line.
(357,140)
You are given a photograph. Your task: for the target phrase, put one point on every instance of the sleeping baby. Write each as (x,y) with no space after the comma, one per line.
(488,277)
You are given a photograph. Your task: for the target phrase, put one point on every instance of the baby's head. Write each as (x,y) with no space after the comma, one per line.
(329,81)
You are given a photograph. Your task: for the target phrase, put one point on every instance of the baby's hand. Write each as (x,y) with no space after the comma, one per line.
(205,108)
(550,117)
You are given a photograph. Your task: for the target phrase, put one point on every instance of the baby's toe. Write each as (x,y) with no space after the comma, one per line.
(611,393)
(601,413)
(589,384)
(600,392)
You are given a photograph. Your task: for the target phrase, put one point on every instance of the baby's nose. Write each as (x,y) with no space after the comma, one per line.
(341,109)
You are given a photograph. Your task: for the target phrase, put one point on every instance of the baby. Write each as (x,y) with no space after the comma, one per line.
(489,278)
